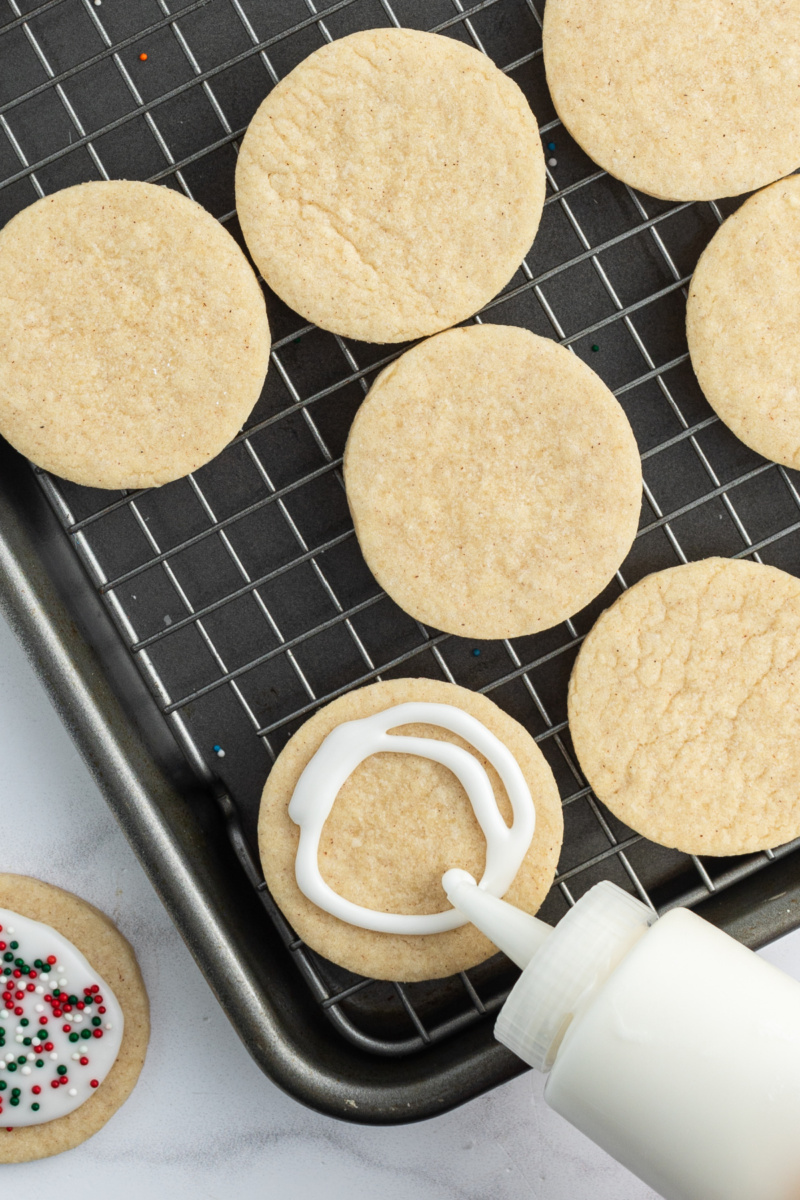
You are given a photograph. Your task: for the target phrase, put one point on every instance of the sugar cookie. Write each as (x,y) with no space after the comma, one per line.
(398,823)
(133,334)
(60,1089)
(391,184)
(741,322)
(683,99)
(684,707)
(494,482)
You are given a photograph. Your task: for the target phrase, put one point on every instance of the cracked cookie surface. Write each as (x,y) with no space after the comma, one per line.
(399,822)
(494,481)
(682,99)
(741,322)
(391,184)
(133,334)
(684,707)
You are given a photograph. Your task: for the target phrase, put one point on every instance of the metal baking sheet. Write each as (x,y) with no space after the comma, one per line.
(239,594)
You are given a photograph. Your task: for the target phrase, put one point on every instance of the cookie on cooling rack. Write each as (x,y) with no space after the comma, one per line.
(741,322)
(391,184)
(133,334)
(688,100)
(494,481)
(74,1019)
(684,707)
(400,820)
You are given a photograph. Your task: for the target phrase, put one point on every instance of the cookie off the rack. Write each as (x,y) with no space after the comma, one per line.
(380,793)
(133,334)
(684,707)
(494,481)
(74,1019)
(742,322)
(391,184)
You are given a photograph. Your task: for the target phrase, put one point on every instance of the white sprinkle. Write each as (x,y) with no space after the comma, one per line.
(18,1038)
(54,1055)
(77,1019)
(2,1064)
(20,1029)
(40,991)
(72,1092)
(38,1008)
(25,1071)
(76,1058)
(31,1057)
(9,1058)
(45,978)
(62,983)
(552,162)
(108,1025)
(9,928)
(4,1014)
(97,3)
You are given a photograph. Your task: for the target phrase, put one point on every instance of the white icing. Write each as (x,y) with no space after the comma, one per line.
(74,976)
(353,741)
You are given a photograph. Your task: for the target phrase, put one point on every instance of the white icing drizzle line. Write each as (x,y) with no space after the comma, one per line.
(353,741)
(31,1061)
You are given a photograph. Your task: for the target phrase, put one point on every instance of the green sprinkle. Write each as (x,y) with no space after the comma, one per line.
(97,1020)
(73,1037)
(35,1107)
(595,349)
(86,1033)
(61,1070)
(40,1062)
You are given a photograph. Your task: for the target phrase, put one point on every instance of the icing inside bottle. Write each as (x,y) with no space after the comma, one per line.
(352,742)
(61,1025)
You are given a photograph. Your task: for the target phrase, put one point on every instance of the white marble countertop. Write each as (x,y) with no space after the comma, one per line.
(203,1121)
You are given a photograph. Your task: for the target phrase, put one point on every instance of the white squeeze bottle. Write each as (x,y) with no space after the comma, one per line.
(667,1043)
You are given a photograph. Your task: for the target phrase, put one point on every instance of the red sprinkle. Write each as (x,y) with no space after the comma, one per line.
(142,58)
(36,1089)
(94,1083)
(98,1033)
(51,958)
(84,1061)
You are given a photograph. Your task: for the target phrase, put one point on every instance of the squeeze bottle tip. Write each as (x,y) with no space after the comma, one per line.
(516,933)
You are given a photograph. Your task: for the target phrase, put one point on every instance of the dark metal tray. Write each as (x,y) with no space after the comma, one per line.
(221,610)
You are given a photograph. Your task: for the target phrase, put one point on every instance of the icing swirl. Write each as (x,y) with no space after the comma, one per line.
(353,741)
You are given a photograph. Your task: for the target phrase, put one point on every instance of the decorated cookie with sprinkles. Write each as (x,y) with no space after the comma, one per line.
(74,1019)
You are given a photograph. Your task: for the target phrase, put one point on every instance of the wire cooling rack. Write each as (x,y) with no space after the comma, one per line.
(240,591)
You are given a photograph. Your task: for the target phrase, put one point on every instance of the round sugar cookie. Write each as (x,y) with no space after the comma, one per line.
(742,322)
(133,334)
(391,184)
(494,482)
(682,99)
(110,955)
(684,707)
(398,823)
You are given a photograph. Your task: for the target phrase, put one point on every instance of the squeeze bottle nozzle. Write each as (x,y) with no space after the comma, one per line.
(516,933)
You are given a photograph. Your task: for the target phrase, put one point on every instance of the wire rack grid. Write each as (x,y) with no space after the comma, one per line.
(240,591)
